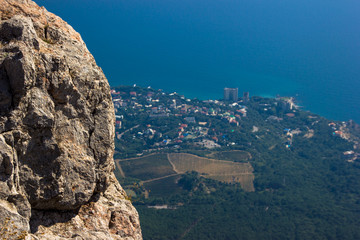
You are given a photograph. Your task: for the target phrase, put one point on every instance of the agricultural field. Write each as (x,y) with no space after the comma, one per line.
(234,156)
(164,187)
(146,168)
(221,170)
(158,172)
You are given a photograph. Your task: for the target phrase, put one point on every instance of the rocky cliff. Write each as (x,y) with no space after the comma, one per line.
(56,134)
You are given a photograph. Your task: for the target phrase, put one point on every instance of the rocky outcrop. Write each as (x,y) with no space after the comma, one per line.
(56,134)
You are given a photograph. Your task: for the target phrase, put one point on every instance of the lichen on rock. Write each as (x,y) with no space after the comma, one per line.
(56,133)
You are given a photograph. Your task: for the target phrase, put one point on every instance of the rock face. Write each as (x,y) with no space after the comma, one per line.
(56,134)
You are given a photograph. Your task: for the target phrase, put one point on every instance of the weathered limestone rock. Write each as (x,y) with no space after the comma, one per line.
(56,133)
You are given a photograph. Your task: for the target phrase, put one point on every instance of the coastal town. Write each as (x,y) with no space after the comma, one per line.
(192,116)
(152,120)
(170,148)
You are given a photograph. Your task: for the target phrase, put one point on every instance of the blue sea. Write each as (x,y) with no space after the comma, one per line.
(309,48)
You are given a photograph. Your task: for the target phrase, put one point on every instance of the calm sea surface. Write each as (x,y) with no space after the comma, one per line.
(308,48)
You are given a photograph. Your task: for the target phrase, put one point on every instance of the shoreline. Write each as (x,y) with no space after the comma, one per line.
(298,100)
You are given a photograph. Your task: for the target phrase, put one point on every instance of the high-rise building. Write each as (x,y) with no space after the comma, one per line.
(246,97)
(231,94)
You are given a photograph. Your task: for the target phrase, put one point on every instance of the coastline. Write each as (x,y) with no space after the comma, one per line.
(306,103)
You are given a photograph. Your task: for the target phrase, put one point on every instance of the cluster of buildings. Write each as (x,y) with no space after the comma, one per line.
(338,130)
(341,130)
(232,94)
(157,104)
(289,136)
(195,119)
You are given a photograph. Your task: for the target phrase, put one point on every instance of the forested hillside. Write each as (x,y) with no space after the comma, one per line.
(294,174)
